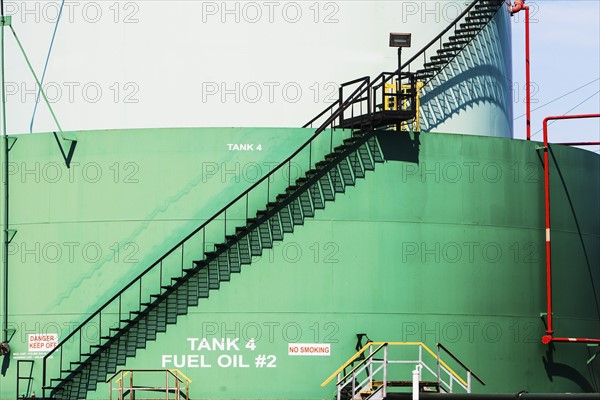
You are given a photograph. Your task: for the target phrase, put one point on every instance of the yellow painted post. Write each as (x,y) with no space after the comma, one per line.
(417,122)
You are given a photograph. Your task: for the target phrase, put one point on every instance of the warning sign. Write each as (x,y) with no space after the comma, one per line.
(309,349)
(42,342)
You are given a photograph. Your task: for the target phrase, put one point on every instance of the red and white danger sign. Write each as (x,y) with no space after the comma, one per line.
(42,341)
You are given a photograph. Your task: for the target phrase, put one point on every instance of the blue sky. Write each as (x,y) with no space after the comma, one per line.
(565,68)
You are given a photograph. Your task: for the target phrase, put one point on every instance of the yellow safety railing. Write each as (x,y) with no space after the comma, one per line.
(390,90)
(129,388)
(376,347)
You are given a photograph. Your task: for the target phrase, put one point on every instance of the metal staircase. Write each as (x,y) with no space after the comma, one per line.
(444,48)
(380,369)
(343,148)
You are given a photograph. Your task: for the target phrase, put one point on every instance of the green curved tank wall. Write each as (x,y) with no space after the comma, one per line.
(444,242)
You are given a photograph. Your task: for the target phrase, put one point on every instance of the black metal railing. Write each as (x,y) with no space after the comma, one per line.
(368,98)
(469,371)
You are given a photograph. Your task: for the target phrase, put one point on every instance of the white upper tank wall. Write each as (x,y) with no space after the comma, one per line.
(132,64)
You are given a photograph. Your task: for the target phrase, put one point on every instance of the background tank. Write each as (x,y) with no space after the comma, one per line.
(242,63)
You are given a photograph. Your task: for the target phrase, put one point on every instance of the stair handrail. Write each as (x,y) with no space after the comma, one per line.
(368,87)
(342,107)
(469,370)
(364,361)
(180,376)
(441,34)
(447,369)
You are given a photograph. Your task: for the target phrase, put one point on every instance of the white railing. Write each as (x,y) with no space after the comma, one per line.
(372,377)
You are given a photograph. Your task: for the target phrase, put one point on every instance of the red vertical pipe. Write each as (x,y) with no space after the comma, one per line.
(527,74)
(549,332)
(547,338)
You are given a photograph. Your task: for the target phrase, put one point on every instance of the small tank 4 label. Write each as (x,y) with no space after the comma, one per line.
(244,147)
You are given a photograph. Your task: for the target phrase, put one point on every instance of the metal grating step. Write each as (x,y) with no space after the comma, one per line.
(317,197)
(327,188)
(223,262)
(336,180)
(255,246)
(275,226)
(306,205)
(346,171)
(265,235)
(213,275)
(287,225)
(296,212)
(374,150)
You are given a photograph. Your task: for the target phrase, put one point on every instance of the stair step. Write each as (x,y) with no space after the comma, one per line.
(341,148)
(374,149)
(354,161)
(346,172)
(331,156)
(213,275)
(427,70)
(275,227)
(484,7)
(425,75)
(316,196)
(461,41)
(445,58)
(306,204)
(235,264)
(461,38)
(296,212)
(435,64)
(265,235)
(223,263)
(467,30)
(311,172)
(450,51)
(244,249)
(365,157)
(255,245)
(476,24)
(485,14)
(351,141)
(327,188)
(287,224)
(453,45)
(336,180)
(301,181)
(476,19)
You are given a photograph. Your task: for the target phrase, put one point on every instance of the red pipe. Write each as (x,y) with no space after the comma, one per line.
(527,74)
(576,340)
(579,143)
(548,337)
